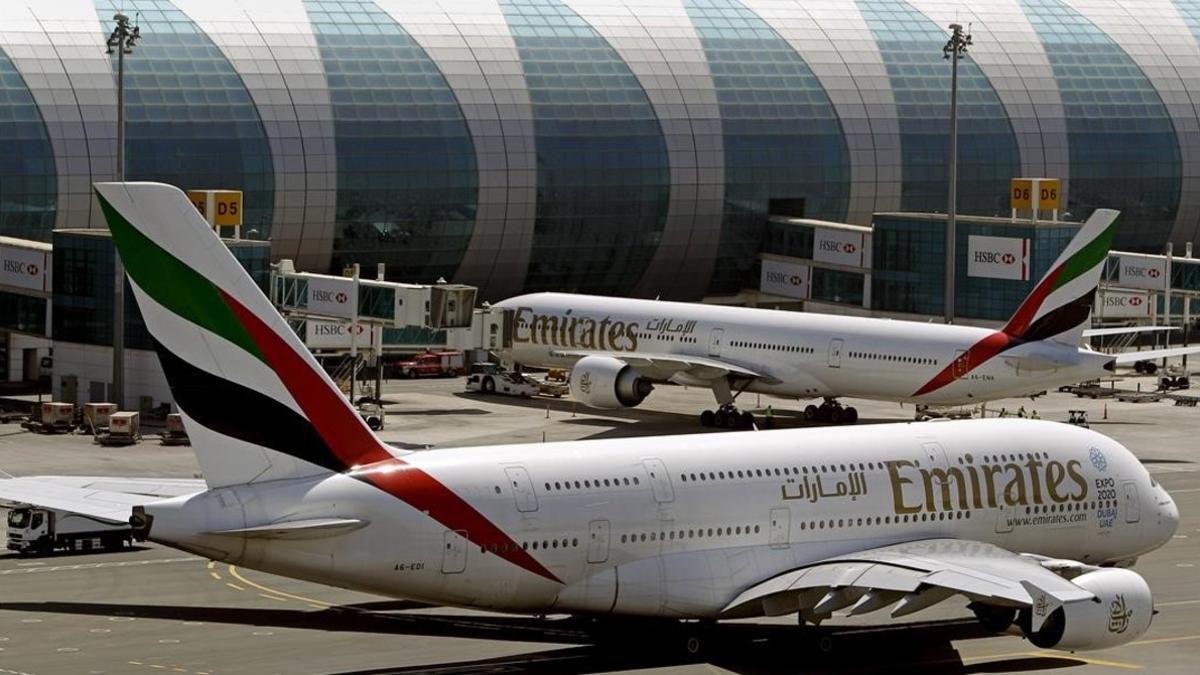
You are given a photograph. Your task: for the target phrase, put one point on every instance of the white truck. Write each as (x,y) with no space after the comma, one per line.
(490,378)
(33,530)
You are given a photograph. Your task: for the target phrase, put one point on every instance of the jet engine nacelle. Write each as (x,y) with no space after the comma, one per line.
(1122,614)
(608,383)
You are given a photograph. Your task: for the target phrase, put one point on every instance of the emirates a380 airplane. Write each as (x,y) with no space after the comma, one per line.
(1033,522)
(617,348)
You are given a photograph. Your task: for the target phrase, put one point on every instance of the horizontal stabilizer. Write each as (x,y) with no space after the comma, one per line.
(1134,357)
(311,528)
(1126,330)
(112,507)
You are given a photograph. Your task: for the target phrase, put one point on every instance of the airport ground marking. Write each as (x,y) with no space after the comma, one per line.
(266,589)
(1155,641)
(1055,655)
(96,565)
(234,586)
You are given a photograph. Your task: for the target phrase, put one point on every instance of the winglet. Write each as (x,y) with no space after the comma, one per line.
(1041,604)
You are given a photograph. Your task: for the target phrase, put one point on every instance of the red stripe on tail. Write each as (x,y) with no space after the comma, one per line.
(356,447)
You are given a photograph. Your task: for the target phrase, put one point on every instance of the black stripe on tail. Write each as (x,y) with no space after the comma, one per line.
(239,412)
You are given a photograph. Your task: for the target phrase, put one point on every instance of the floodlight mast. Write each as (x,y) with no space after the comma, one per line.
(955,47)
(120,42)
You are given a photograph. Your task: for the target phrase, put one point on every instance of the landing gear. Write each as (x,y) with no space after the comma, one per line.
(832,412)
(727,417)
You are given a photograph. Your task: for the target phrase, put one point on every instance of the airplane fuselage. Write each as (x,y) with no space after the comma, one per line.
(806,355)
(677,526)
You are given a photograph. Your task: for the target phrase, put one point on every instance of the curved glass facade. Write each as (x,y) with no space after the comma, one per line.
(406,177)
(911,45)
(28,186)
(603,179)
(782,137)
(189,119)
(604,146)
(1124,151)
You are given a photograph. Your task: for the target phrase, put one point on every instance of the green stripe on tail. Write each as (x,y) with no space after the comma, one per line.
(174,285)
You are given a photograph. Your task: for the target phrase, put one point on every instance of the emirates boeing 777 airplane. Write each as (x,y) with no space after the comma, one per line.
(1033,522)
(618,348)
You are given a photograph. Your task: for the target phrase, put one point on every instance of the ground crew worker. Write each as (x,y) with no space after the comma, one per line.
(1021,412)
(1035,415)
(769,417)
(1004,412)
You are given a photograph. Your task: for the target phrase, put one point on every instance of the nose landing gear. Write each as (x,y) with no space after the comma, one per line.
(831,412)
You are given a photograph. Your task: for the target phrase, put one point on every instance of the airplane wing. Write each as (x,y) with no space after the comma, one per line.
(114,507)
(663,367)
(1134,357)
(144,487)
(1126,330)
(913,576)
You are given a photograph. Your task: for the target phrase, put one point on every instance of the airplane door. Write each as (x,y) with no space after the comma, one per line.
(1133,507)
(1004,523)
(781,528)
(660,482)
(598,541)
(962,363)
(715,338)
(522,488)
(835,352)
(454,553)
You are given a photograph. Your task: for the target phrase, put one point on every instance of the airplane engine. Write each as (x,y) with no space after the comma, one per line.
(608,383)
(1122,614)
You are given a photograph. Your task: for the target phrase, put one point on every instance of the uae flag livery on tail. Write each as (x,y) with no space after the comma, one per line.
(1056,310)
(257,405)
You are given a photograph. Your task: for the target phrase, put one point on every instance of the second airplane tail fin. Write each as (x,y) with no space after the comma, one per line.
(256,404)
(1059,306)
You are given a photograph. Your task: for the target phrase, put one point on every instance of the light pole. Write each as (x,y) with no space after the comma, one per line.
(955,47)
(120,42)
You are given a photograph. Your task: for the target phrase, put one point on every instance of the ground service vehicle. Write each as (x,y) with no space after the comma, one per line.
(703,527)
(38,530)
(449,363)
(493,379)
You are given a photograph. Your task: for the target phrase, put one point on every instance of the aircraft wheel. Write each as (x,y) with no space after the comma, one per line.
(707,418)
(747,420)
(721,418)
(1151,367)
(489,385)
(836,415)
(810,412)
(995,619)
(850,415)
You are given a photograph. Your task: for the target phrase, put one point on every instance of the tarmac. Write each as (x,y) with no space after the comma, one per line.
(154,609)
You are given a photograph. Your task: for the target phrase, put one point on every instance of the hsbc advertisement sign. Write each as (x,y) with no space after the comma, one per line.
(786,279)
(25,268)
(1113,304)
(998,257)
(1138,272)
(336,335)
(332,296)
(840,247)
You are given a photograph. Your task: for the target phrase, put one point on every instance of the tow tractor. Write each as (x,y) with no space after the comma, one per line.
(491,378)
(36,530)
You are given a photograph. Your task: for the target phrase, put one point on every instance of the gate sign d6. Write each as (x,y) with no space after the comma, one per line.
(221,208)
(1043,194)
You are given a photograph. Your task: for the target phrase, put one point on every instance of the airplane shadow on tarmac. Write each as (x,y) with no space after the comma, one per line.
(582,647)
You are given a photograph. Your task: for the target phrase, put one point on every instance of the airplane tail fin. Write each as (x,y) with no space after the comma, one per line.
(256,404)
(1060,304)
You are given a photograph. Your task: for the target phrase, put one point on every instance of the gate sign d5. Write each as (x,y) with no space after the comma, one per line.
(221,208)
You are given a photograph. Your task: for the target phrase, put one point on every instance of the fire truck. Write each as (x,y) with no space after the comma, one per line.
(447,363)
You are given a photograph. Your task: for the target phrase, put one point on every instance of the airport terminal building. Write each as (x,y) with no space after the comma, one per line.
(608,146)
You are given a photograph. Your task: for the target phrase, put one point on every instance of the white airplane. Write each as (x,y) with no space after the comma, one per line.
(1031,521)
(617,348)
